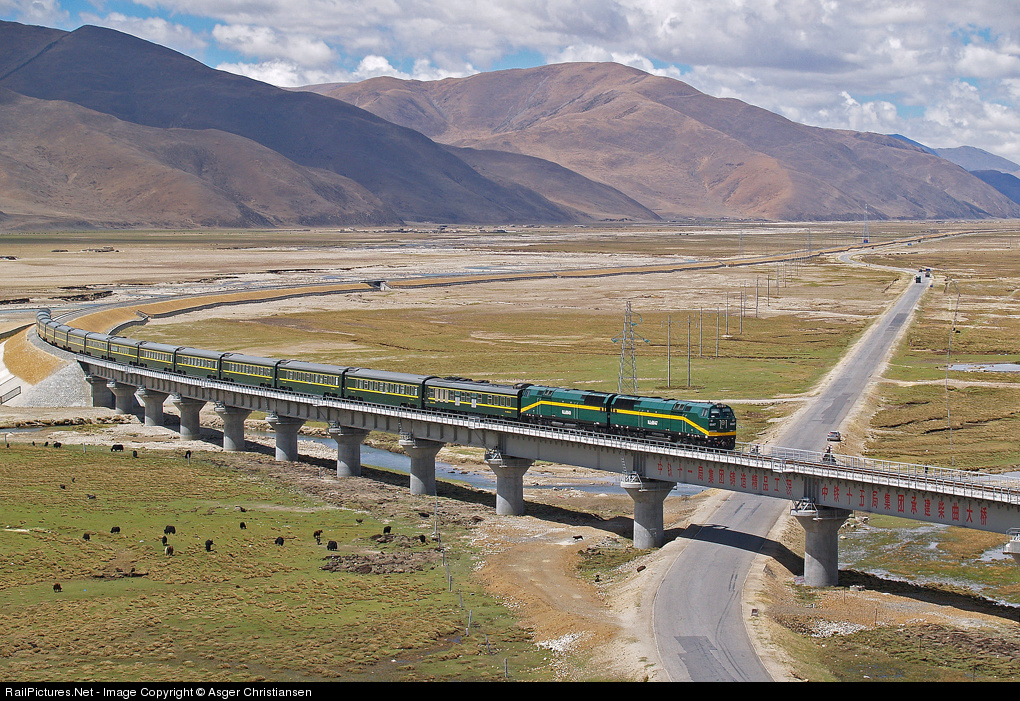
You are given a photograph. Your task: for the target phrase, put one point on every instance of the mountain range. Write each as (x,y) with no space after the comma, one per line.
(102,129)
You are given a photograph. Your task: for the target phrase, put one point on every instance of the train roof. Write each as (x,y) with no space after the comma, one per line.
(152,345)
(199,353)
(250,359)
(387,376)
(472,385)
(303,366)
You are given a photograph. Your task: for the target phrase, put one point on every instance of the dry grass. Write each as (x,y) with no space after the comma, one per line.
(26,361)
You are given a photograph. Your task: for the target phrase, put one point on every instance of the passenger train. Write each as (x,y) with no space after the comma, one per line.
(697,423)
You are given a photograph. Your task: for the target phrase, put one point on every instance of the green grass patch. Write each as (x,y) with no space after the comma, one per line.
(247,609)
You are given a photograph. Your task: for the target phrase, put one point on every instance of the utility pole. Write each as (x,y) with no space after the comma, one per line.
(688,350)
(717,315)
(628,353)
(701,331)
(669,364)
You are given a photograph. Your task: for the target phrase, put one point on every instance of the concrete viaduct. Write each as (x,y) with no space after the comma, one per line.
(824,488)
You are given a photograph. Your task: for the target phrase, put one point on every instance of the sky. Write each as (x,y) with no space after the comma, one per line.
(944,73)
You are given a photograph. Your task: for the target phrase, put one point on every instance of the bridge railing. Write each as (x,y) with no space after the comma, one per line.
(914,476)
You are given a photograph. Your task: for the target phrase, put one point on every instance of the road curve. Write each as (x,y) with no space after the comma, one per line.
(697,617)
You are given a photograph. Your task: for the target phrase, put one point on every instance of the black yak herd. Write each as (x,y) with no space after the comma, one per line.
(169,549)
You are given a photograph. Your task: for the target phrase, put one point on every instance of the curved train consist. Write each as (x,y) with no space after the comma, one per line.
(696,423)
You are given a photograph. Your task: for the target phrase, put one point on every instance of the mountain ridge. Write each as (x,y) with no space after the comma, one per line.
(676,150)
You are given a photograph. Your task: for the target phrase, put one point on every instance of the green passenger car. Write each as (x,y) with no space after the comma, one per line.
(248,370)
(383,387)
(156,356)
(469,396)
(310,378)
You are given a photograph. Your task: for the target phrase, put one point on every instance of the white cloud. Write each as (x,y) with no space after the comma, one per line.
(45,12)
(264,42)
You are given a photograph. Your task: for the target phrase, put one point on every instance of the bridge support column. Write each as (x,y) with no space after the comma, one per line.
(821,542)
(648,495)
(101,394)
(191,424)
(348,449)
(423,464)
(233,426)
(509,482)
(152,401)
(286,428)
(124,401)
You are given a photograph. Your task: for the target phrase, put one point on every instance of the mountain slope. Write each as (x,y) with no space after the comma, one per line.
(973,159)
(69,166)
(136,81)
(676,150)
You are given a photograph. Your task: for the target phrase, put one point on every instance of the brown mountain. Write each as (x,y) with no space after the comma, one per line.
(62,165)
(145,84)
(676,150)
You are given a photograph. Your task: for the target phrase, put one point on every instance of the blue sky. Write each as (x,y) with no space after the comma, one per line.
(944,73)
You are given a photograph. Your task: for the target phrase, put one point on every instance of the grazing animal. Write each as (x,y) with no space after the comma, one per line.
(386,529)
(331,545)
(56,444)
(640,568)
(208,546)
(578,537)
(134,453)
(279,540)
(358,520)
(168,551)
(91,496)
(115,529)
(187,455)
(243,525)
(317,534)
(56,587)
(422,539)
(170,530)
(116,448)
(164,540)
(85,536)
(63,486)
(242,509)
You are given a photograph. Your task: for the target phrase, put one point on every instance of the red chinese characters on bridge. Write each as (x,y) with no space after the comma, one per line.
(907,504)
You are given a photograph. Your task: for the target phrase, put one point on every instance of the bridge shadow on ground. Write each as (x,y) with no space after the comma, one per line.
(930,594)
(727,537)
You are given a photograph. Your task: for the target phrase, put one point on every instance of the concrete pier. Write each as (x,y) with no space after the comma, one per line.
(348,449)
(101,394)
(821,542)
(191,425)
(509,482)
(648,495)
(286,429)
(233,426)
(124,397)
(152,404)
(423,464)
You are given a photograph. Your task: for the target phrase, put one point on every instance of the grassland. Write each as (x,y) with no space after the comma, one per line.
(248,609)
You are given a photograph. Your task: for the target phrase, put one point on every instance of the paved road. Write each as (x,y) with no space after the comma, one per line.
(698,619)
